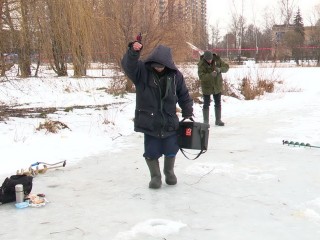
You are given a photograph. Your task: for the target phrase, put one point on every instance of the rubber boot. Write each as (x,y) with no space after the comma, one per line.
(154,168)
(205,116)
(218,116)
(171,178)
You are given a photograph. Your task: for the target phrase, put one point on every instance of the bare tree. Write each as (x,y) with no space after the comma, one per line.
(56,33)
(79,31)
(255,29)
(2,60)
(215,35)
(79,16)
(9,25)
(315,33)
(269,18)
(238,25)
(24,50)
(286,8)
(315,16)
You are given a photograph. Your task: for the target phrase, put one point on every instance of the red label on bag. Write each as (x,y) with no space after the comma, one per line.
(188,132)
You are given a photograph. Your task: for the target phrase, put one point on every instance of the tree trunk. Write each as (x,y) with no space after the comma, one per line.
(79,62)
(57,36)
(58,59)
(25,62)
(25,49)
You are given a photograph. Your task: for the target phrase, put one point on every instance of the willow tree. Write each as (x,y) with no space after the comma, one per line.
(123,21)
(177,39)
(119,26)
(16,18)
(79,20)
(55,32)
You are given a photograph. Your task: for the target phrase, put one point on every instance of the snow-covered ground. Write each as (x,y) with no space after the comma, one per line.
(246,186)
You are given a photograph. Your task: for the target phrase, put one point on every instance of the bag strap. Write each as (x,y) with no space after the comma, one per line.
(198,155)
(203,150)
(190,118)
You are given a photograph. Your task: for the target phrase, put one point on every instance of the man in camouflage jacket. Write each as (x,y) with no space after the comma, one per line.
(210,69)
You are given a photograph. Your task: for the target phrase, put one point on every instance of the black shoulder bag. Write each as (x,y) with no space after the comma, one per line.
(7,190)
(193,135)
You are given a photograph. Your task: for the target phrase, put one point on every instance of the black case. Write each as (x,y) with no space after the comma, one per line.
(193,135)
(7,190)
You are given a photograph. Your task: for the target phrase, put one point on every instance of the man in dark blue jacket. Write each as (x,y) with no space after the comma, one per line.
(159,87)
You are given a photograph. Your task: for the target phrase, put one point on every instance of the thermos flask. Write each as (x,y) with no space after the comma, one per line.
(19,193)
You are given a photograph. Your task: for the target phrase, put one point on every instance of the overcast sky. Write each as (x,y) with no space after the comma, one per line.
(220,11)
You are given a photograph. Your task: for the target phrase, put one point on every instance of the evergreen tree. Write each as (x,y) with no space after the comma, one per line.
(298,24)
(297,51)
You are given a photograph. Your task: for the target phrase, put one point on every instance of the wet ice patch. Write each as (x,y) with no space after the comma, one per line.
(75,233)
(199,169)
(225,169)
(257,174)
(311,210)
(312,215)
(152,227)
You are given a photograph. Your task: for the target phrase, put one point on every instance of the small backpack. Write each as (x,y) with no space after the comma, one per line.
(7,190)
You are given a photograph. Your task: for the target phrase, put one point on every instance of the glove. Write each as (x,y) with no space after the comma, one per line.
(216,57)
(214,73)
(131,46)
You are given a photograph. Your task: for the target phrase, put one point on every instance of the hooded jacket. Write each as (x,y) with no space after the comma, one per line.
(210,84)
(157,94)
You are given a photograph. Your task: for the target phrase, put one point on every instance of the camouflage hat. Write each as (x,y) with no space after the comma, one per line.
(208,55)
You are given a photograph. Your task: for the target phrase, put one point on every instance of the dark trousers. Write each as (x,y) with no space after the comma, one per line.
(207,100)
(155,147)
